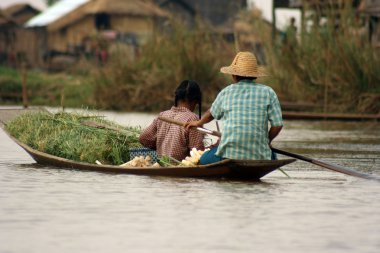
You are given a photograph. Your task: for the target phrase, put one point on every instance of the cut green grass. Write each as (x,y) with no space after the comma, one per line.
(63,135)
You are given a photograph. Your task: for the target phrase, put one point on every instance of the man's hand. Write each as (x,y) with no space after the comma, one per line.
(191,124)
(206,118)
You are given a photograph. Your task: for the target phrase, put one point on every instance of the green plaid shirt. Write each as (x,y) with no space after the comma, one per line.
(246,108)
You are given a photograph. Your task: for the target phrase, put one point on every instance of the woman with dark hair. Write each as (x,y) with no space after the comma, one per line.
(172,140)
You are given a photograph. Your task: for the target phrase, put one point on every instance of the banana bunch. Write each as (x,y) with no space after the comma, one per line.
(193,159)
(140,161)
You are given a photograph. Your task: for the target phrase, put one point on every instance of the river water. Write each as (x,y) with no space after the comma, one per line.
(45,209)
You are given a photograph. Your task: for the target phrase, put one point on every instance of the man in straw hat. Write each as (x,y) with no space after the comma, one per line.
(245,107)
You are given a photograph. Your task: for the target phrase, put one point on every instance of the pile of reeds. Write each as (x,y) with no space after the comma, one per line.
(69,135)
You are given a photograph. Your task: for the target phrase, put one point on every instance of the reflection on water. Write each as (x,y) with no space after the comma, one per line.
(44,209)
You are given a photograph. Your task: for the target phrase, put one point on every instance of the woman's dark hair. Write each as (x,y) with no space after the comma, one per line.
(189,90)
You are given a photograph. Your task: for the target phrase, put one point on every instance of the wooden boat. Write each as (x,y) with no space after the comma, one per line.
(229,168)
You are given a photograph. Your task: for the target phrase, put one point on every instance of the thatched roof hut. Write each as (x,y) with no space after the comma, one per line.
(89,17)
(134,7)
(37,4)
(6,20)
(21,12)
(113,8)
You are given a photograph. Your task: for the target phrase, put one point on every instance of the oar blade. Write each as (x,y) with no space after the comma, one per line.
(334,167)
(344,170)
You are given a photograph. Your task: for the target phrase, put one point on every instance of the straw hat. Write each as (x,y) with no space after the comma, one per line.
(244,64)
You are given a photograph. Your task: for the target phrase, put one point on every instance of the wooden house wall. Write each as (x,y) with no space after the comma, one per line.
(30,45)
(375,32)
(7,36)
(131,24)
(21,44)
(64,39)
(142,27)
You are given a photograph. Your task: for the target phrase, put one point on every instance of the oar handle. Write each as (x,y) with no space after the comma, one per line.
(173,121)
(180,123)
(300,157)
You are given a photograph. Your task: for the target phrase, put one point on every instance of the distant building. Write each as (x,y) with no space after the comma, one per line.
(70,27)
(219,14)
(371,8)
(38,4)
(7,36)
(14,48)
(21,12)
(5,20)
(73,27)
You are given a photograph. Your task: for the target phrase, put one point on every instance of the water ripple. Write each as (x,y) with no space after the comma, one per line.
(47,209)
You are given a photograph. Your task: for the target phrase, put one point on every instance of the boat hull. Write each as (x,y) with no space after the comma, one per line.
(229,168)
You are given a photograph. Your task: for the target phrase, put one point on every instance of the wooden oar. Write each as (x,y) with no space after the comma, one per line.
(326,165)
(200,129)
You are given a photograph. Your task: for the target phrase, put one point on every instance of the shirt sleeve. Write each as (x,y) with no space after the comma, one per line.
(274,110)
(216,109)
(148,137)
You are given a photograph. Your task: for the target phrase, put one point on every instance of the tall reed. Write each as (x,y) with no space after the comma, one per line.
(332,64)
(148,82)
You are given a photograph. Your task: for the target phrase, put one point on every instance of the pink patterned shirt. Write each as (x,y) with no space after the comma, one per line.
(170,139)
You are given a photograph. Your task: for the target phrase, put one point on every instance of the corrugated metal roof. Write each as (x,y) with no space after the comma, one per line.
(55,12)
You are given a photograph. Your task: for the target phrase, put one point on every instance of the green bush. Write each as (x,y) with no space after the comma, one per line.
(45,88)
(148,82)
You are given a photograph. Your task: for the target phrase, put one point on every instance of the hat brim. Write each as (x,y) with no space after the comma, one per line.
(232,70)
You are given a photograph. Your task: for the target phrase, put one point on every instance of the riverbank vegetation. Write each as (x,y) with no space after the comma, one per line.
(148,82)
(331,65)
(70,90)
